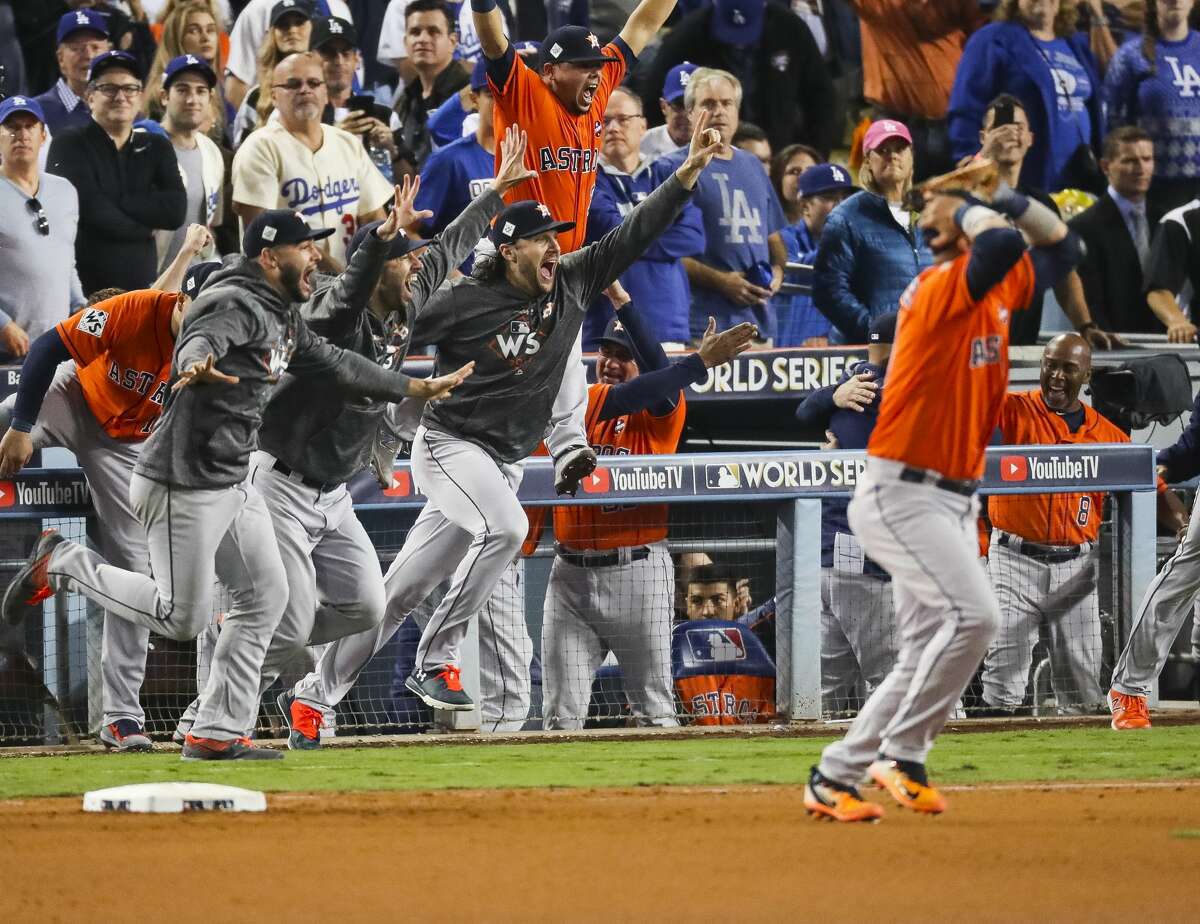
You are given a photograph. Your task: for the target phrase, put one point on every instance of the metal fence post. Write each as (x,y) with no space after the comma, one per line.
(1136,553)
(798,604)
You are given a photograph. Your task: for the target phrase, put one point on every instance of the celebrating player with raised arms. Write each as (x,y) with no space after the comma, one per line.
(915,509)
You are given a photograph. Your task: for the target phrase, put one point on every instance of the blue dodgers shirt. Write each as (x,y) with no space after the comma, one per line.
(740,211)
(451,178)
(1071,126)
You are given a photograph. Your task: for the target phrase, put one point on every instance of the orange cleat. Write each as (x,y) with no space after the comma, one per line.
(304,722)
(1128,711)
(828,800)
(907,784)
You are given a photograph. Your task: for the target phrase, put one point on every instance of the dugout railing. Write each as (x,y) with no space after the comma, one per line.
(759,514)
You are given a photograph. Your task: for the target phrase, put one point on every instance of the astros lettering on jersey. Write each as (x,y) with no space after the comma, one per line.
(948,372)
(122,349)
(563,147)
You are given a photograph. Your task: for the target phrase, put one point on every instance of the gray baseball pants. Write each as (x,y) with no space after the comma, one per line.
(1064,595)
(1161,615)
(858,635)
(590,611)
(194,537)
(946,615)
(67,421)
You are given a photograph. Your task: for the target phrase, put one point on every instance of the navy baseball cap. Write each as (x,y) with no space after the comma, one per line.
(197,275)
(402,245)
(283,7)
(883,328)
(677,80)
(21,104)
(111,61)
(573,45)
(183,63)
(823,178)
(85,20)
(326,29)
(275,227)
(525,219)
(615,333)
(738,22)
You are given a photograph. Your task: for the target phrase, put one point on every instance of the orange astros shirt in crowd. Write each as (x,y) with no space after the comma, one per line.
(948,371)
(122,349)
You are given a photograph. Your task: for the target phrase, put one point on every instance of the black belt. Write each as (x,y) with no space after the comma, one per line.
(599,559)
(1047,554)
(922,476)
(293,475)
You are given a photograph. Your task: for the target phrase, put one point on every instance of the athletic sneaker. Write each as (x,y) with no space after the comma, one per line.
(906,782)
(829,800)
(304,722)
(572,467)
(1128,711)
(125,735)
(30,586)
(440,690)
(238,749)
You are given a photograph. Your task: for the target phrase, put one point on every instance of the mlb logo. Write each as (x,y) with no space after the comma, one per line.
(723,477)
(717,644)
(401,484)
(518,327)
(598,129)
(1014,468)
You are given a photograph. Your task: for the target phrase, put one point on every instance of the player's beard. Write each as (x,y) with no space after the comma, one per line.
(292,279)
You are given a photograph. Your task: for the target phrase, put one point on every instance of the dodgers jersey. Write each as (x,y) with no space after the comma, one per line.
(450,179)
(331,187)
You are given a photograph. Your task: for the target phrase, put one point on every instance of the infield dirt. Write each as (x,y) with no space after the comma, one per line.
(1053,853)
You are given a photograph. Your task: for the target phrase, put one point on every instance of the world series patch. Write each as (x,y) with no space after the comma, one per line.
(93,322)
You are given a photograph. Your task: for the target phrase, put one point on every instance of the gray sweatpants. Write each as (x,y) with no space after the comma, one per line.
(195,537)
(946,615)
(1064,595)
(1161,615)
(858,635)
(625,609)
(66,420)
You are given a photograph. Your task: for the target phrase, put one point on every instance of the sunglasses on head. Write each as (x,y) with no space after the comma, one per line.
(39,214)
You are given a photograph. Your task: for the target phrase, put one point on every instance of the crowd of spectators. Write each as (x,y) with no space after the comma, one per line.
(319,105)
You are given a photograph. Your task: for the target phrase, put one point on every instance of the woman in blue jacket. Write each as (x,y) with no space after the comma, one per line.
(870,249)
(1153,82)
(1034,53)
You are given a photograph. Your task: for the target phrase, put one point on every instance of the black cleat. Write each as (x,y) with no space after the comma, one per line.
(127,736)
(440,690)
(236,749)
(30,586)
(572,467)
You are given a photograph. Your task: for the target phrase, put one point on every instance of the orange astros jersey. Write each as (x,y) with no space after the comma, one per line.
(1050,519)
(563,147)
(948,372)
(122,349)
(639,434)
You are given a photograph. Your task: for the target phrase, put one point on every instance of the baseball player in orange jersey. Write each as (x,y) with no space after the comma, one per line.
(102,408)
(915,509)
(612,584)
(1043,558)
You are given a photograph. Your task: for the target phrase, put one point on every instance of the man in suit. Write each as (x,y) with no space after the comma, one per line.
(1117,231)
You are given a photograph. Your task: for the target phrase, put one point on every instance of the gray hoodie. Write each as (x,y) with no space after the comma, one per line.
(521,345)
(208,430)
(325,433)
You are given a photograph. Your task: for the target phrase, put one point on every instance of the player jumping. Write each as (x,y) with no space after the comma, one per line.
(915,509)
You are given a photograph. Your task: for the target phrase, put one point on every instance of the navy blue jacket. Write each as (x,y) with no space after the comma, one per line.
(1003,58)
(864,263)
(57,117)
(1183,459)
(853,430)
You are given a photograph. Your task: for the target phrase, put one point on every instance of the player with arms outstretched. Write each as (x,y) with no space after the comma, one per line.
(915,509)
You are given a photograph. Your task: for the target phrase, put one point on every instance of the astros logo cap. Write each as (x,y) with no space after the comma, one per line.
(573,45)
(525,219)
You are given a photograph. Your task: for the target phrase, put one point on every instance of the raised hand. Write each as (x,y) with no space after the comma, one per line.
(717,349)
(443,385)
(205,373)
(512,161)
(403,214)
(705,145)
(617,295)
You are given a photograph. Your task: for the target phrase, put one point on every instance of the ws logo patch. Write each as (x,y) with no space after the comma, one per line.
(517,344)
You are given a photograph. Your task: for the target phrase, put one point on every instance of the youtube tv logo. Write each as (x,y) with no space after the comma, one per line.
(8,493)
(598,482)
(401,485)
(1014,468)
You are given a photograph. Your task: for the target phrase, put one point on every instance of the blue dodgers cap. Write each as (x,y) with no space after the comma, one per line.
(738,22)
(197,275)
(21,104)
(276,227)
(111,61)
(525,219)
(183,63)
(883,328)
(85,20)
(823,178)
(677,80)
(573,45)
(402,245)
(615,333)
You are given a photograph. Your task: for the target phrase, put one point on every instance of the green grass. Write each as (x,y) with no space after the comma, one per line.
(986,757)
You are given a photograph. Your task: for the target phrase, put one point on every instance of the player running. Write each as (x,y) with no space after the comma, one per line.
(203,521)
(915,509)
